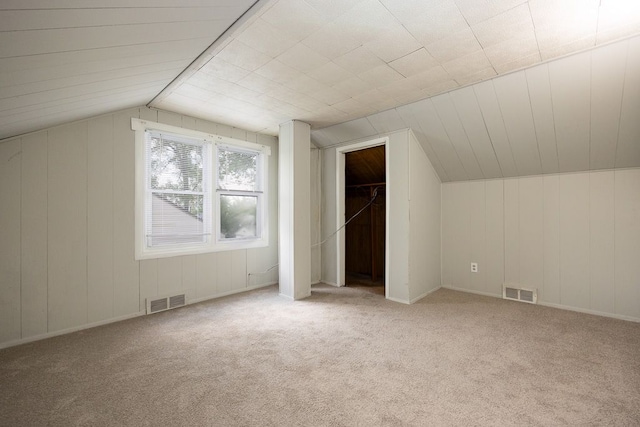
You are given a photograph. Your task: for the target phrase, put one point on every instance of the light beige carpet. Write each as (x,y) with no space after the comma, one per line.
(344,357)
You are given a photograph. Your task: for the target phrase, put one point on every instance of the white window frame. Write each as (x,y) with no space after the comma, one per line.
(258,193)
(213,243)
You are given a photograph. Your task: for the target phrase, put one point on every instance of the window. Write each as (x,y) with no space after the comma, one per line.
(239,193)
(197,192)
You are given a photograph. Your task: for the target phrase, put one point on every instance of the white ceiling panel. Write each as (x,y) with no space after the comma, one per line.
(467,65)
(297,18)
(267,38)
(504,25)
(457,135)
(628,149)
(608,68)
(476,11)
(37,42)
(513,96)
(49,19)
(393,44)
(542,110)
(302,58)
(367,20)
(414,63)
(386,121)
(351,130)
(571,95)
(458,44)
(246,57)
(333,61)
(471,118)
(358,60)
(59,59)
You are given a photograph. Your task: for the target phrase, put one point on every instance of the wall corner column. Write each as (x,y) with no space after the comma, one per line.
(294,206)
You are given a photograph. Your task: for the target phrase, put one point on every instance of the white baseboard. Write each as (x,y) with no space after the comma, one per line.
(232,292)
(69,330)
(401,301)
(587,311)
(118,319)
(335,285)
(471,291)
(554,305)
(418,298)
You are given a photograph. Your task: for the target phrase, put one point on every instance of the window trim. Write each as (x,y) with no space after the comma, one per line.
(214,244)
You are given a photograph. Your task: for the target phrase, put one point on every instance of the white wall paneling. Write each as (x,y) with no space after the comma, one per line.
(575,237)
(316,214)
(627,242)
(488,101)
(608,68)
(100,219)
(551,239)
(455,131)
(478,232)
(494,230)
(67,217)
(294,210)
(424,222)
(513,97)
(471,117)
(10,253)
(542,111)
(602,240)
(574,240)
(126,271)
(66,231)
(531,223)
(571,95)
(628,149)
(33,209)
(511,231)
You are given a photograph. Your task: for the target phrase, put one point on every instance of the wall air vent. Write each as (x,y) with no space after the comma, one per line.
(165,303)
(517,293)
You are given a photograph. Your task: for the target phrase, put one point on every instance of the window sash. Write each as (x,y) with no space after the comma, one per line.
(169,224)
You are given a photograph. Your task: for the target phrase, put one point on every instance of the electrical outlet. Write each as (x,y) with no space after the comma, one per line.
(474,267)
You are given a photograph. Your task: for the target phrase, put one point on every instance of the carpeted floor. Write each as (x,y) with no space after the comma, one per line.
(343,357)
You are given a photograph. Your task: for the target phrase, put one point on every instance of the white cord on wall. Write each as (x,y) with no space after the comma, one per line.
(373,198)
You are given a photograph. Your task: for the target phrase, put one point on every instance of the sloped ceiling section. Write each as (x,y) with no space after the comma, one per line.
(65,60)
(330,61)
(577,113)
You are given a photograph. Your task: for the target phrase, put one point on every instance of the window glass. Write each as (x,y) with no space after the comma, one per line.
(238,216)
(237,170)
(176,188)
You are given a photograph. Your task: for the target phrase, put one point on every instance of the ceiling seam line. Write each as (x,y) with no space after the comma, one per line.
(533,121)
(504,126)
(484,122)
(624,83)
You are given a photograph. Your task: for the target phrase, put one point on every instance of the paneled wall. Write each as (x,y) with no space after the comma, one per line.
(575,237)
(67,230)
(424,223)
(413,198)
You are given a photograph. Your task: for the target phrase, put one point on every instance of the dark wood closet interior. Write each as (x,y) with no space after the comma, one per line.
(365,176)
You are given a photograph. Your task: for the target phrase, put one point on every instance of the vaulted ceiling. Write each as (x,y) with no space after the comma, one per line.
(577,113)
(347,67)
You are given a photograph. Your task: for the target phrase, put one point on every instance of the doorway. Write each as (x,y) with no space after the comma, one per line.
(365,203)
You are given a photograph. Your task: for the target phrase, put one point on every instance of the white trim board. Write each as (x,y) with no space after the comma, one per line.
(553,305)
